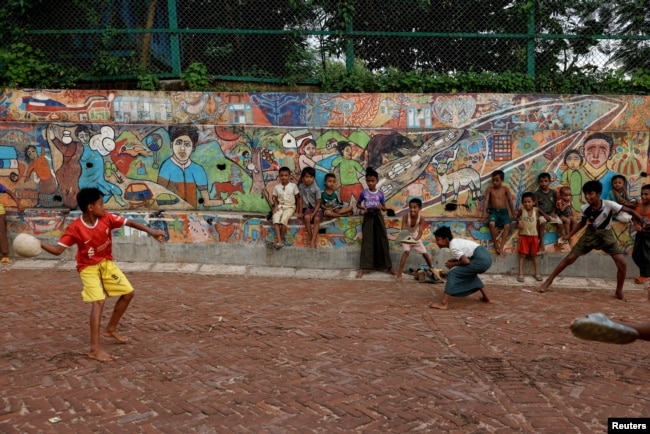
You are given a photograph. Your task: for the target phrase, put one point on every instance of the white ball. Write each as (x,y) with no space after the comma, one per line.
(27,245)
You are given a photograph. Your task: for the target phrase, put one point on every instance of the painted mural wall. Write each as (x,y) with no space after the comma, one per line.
(210,160)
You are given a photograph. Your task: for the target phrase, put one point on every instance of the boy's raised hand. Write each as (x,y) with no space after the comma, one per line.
(158,235)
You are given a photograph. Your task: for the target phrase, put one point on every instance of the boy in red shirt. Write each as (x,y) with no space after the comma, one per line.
(92,233)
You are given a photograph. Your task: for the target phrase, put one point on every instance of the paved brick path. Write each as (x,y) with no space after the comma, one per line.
(218,354)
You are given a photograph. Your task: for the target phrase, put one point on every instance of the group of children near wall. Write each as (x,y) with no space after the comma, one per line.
(546,205)
(92,231)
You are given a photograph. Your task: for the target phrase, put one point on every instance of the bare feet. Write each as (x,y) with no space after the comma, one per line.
(116,336)
(484,297)
(438,306)
(543,288)
(391,271)
(620,296)
(360,273)
(101,355)
(399,277)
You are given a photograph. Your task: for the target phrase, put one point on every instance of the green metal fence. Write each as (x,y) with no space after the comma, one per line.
(294,41)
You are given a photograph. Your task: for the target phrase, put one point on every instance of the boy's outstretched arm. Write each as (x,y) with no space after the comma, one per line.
(157,234)
(55,249)
(638,217)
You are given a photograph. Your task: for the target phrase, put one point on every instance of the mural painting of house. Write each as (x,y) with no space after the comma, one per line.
(419,115)
(136,109)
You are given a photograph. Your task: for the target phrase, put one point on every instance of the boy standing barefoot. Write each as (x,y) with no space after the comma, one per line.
(415,225)
(597,216)
(498,201)
(92,233)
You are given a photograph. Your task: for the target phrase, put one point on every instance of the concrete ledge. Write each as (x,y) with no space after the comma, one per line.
(530,285)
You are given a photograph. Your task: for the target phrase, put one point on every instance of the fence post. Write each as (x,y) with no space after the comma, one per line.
(530,46)
(174,38)
(349,46)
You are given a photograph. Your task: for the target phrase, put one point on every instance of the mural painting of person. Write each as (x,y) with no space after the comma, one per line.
(350,171)
(92,162)
(597,149)
(41,169)
(180,174)
(573,177)
(66,153)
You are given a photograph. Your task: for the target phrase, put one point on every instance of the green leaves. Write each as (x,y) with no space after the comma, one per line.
(196,76)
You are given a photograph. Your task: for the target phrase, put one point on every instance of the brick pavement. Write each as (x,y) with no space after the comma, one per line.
(254,353)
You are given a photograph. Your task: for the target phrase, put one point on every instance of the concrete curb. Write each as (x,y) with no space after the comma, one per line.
(530,284)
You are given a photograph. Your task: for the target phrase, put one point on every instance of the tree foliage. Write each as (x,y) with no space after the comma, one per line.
(347,44)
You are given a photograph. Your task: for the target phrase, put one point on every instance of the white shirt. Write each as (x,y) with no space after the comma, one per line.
(286,194)
(460,247)
(600,218)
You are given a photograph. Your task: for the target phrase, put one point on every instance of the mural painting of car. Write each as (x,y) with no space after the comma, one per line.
(167,199)
(386,189)
(9,162)
(411,166)
(398,169)
(138,195)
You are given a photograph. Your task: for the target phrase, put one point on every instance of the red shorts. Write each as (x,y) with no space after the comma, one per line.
(528,244)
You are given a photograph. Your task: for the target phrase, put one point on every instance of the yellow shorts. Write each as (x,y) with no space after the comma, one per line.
(2,209)
(103,279)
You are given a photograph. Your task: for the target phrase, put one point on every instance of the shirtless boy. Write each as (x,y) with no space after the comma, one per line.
(498,202)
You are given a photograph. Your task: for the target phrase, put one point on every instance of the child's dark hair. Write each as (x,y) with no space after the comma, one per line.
(573,152)
(499,173)
(543,175)
(619,177)
(284,169)
(645,187)
(416,201)
(329,175)
(528,194)
(371,172)
(565,189)
(592,187)
(88,196)
(443,232)
(308,171)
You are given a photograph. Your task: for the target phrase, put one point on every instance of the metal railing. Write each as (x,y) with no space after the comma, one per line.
(285,41)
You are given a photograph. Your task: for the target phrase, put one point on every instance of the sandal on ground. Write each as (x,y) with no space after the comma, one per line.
(520,278)
(5,260)
(539,278)
(598,327)
(641,279)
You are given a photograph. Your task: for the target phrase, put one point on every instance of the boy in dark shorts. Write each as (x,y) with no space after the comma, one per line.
(545,201)
(498,201)
(597,216)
